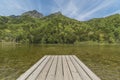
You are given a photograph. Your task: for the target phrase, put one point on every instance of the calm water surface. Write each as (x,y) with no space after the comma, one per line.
(17,58)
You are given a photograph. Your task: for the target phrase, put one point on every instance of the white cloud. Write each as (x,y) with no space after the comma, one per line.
(13,4)
(82,9)
(99,7)
(67,8)
(71,9)
(77,10)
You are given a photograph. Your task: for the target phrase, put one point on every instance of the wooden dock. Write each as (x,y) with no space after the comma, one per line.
(62,67)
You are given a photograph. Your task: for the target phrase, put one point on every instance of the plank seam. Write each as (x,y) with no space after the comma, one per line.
(62,66)
(69,67)
(83,69)
(56,68)
(42,68)
(76,69)
(35,68)
(82,72)
(49,67)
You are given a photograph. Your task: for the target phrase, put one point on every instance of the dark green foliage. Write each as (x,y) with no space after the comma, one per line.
(56,28)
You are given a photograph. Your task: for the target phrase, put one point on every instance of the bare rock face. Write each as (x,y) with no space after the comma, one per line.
(34,14)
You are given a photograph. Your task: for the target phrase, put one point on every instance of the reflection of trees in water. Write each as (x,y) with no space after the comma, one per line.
(8,45)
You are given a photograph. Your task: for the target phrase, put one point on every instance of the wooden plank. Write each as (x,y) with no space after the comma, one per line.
(82,73)
(44,72)
(66,69)
(86,69)
(39,69)
(59,71)
(59,68)
(74,72)
(33,68)
(51,73)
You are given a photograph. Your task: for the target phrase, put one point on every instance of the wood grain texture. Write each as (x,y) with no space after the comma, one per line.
(59,67)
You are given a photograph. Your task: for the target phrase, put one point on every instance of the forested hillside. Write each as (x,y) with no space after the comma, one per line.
(57,28)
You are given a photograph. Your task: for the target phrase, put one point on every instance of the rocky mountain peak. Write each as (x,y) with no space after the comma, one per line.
(34,14)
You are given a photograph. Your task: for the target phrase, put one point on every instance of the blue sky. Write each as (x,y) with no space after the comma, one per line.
(77,9)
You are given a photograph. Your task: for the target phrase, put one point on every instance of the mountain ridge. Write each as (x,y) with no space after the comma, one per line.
(57,28)
(34,14)
(37,14)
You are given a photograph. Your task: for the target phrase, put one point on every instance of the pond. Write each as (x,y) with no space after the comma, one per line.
(15,59)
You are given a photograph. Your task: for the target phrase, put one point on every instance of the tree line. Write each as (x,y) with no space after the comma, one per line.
(59,29)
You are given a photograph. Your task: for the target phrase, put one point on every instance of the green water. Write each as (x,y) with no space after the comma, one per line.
(102,60)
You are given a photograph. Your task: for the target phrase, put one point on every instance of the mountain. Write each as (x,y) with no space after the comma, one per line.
(57,13)
(34,14)
(14,16)
(57,28)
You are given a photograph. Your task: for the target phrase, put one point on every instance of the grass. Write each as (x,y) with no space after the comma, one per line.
(102,60)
